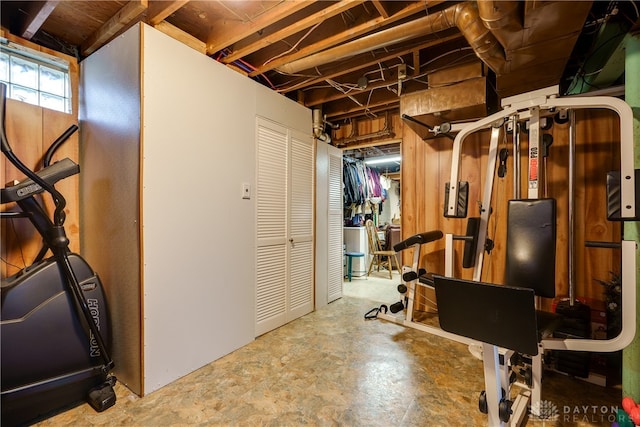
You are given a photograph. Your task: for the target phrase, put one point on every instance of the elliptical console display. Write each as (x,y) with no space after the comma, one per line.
(54,319)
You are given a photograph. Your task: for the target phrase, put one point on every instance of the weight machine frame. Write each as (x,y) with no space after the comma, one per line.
(530,106)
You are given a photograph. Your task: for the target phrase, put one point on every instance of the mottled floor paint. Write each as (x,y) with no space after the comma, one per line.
(333,368)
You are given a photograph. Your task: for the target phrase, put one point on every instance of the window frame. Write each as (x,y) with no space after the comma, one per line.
(42,62)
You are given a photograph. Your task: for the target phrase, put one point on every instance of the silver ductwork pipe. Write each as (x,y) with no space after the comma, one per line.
(464,16)
(502,18)
(318,126)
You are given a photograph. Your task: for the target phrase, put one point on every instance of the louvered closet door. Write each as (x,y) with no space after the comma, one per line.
(335,224)
(285,206)
(271,228)
(301,197)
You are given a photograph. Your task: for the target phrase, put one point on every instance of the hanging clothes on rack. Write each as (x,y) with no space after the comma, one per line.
(360,182)
(352,183)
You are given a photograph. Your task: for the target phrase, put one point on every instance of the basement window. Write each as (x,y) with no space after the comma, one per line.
(35,78)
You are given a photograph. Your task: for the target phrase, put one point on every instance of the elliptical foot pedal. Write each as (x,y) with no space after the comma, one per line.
(103,396)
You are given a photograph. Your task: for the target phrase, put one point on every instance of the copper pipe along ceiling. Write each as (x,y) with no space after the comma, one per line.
(465,16)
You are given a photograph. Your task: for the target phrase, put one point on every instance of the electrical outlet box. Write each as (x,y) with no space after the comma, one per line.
(246,191)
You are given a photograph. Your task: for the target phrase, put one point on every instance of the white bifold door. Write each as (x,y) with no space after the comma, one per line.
(285,226)
(335,225)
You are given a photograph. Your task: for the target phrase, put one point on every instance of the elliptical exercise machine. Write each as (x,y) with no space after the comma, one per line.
(54,320)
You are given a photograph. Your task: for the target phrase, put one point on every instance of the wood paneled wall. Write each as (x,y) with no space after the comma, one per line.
(426,167)
(30,131)
(363,127)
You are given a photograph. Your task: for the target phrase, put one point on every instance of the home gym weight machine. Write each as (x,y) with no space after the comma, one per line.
(529,107)
(54,320)
(532,106)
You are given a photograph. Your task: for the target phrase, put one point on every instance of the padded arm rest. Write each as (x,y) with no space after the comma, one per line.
(418,239)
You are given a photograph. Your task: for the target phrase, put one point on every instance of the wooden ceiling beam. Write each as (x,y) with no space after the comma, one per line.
(39,12)
(348,67)
(181,36)
(416,61)
(225,34)
(378,143)
(360,112)
(311,20)
(118,21)
(355,110)
(337,95)
(342,37)
(160,10)
(380,8)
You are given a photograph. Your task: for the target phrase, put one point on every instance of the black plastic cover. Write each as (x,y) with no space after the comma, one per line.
(51,174)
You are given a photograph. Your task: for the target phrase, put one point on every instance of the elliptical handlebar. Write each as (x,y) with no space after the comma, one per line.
(58,199)
(46,160)
(3,137)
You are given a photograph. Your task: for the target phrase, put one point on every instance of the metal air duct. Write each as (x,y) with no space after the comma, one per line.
(502,18)
(318,126)
(465,16)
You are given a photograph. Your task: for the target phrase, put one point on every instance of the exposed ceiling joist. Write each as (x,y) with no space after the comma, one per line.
(160,10)
(340,38)
(182,36)
(118,21)
(226,33)
(339,95)
(298,26)
(416,61)
(349,67)
(392,141)
(39,12)
(380,8)
(264,39)
(371,113)
(374,106)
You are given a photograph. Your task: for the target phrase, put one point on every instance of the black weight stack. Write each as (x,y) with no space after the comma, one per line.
(576,323)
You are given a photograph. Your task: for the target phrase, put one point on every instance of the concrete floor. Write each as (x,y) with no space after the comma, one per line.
(333,368)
